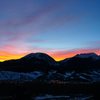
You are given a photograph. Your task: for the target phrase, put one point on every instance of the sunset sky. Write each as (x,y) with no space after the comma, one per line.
(60,28)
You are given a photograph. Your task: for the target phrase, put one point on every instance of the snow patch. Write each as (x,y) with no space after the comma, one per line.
(8,75)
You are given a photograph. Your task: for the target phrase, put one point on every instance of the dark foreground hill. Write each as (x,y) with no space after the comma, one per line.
(40,77)
(29,63)
(83,67)
(43,62)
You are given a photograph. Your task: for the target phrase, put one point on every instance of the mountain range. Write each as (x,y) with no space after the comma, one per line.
(81,67)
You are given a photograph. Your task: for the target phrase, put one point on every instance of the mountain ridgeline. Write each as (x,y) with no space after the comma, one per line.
(43,62)
(38,74)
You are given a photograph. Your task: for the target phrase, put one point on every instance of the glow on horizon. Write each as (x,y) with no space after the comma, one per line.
(55,27)
(9,56)
(58,55)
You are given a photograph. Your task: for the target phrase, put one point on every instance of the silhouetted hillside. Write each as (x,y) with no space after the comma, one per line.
(29,63)
(38,73)
(43,62)
(83,67)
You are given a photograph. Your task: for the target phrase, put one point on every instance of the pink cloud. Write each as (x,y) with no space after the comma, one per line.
(33,16)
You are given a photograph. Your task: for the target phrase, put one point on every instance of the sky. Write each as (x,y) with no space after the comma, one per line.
(60,28)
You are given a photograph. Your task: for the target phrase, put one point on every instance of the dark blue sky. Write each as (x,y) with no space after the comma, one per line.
(53,26)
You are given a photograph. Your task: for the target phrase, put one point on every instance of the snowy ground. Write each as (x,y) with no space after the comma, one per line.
(72,97)
(9,75)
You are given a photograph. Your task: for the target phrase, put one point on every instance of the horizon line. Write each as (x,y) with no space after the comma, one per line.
(56,59)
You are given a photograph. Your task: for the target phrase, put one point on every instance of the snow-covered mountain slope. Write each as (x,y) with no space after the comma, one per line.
(63,97)
(91,76)
(8,75)
(87,55)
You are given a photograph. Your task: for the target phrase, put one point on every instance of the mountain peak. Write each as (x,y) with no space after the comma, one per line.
(38,55)
(87,55)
